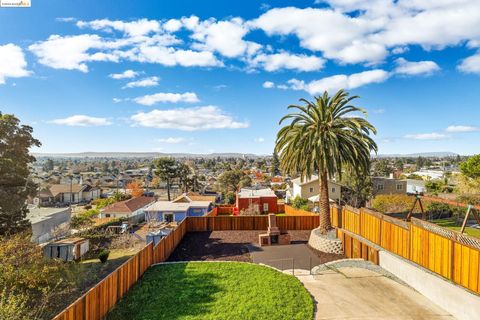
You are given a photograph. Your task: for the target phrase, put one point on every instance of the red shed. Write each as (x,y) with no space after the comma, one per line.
(258,200)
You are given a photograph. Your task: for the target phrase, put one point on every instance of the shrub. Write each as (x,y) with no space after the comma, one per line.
(440,210)
(299,203)
(392,203)
(103,255)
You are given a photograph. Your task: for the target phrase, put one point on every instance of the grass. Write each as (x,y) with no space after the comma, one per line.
(452,224)
(215,290)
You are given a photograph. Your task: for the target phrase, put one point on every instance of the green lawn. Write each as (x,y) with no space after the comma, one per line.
(215,290)
(451,224)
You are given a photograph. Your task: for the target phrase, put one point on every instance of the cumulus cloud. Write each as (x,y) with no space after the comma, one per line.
(284,60)
(427,136)
(146,82)
(151,99)
(82,121)
(12,62)
(268,84)
(169,56)
(171,140)
(462,129)
(71,52)
(259,140)
(470,64)
(127,74)
(405,67)
(340,81)
(188,119)
(134,28)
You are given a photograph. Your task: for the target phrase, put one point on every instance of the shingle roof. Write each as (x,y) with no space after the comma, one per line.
(56,189)
(128,206)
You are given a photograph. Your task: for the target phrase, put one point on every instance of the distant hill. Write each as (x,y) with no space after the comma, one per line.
(422,154)
(143,155)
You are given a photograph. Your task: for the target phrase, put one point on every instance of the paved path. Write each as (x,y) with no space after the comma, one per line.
(358,293)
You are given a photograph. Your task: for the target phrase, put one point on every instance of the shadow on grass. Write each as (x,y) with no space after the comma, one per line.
(168,292)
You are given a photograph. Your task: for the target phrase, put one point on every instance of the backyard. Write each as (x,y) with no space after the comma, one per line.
(452,224)
(215,290)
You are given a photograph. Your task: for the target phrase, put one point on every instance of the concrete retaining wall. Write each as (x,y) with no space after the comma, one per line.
(457,301)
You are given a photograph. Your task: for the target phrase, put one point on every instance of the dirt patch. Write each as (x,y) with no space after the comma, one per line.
(230,246)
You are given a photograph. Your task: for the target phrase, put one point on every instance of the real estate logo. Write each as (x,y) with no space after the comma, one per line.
(15,3)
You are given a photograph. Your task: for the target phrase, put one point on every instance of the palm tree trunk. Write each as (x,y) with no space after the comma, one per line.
(168,189)
(324,204)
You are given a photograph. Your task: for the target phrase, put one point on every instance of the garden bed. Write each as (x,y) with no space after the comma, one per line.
(215,290)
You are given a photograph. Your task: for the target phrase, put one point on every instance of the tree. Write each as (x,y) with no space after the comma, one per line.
(15,186)
(471,167)
(135,189)
(48,165)
(167,170)
(275,168)
(381,168)
(324,136)
(232,180)
(184,172)
(359,188)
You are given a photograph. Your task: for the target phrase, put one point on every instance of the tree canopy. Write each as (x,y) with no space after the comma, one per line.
(15,186)
(471,167)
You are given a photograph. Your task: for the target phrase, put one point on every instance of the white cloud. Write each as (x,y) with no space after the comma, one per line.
(470,64)
(146,82)
(12,62)
(172,25)
(150,100)
(259,140)
(426,136)
(127,74)
(187,119)
(268,84)
(378,111)
(462,129)
(117,100)
(415,68)
(134,28)
(171,140)
(169,56)
(82,121)
(71,52)
(341,81)
(284,60)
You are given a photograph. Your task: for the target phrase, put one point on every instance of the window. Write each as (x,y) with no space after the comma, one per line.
(107,215)
(168,217)
(380,187)
(399,186)
(265,207)
(333,190)
(311,189)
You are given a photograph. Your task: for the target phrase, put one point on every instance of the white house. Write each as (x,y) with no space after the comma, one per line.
(133,209)
(169,211)
(69,193)
(310,188)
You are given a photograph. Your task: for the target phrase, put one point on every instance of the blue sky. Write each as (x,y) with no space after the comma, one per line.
(216,76)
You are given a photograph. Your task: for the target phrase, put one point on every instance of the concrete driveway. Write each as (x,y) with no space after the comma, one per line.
(358,293)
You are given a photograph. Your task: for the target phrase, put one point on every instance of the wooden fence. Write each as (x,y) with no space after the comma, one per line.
(99,300)
(225,223)
(446,252)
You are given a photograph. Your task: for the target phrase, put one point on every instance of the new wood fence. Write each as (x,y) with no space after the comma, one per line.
(446,252)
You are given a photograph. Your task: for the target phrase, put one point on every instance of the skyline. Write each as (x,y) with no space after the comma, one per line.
(217,78)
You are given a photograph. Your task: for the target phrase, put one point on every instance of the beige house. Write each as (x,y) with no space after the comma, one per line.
(311,188)
(383,185)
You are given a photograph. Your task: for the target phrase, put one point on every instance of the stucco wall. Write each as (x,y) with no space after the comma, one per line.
(457,301)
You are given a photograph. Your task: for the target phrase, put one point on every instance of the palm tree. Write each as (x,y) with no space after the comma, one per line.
(324,137)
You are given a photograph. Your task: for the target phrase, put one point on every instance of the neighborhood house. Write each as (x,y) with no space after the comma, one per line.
(310,189)
(258,200)
(67,193)
(178,209)
(133,209)
(382,185)
(45,222)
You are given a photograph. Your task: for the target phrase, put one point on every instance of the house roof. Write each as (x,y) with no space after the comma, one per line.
(128,206)
(36,215)
(299,181)
(56,189)
(256,193)
(194,196)
(73,240)
(177,206)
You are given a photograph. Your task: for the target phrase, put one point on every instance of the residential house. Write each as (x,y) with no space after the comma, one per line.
(258,200)
(133,209)
(383,185)
(310,188)
(195,196)
(169,211)
(71,193)
(46,221)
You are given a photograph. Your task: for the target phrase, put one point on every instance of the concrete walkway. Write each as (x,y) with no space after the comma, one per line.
(358,293)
